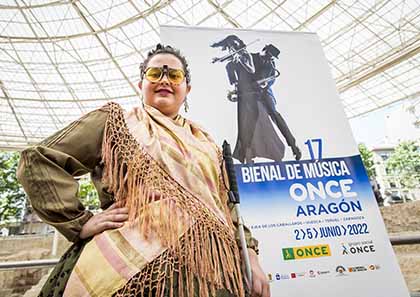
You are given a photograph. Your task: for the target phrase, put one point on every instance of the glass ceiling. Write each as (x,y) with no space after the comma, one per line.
(62,58)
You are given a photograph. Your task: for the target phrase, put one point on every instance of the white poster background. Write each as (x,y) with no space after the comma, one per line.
(301,85)
(308,100)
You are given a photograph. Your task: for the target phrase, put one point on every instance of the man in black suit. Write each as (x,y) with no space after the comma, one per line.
(265,76)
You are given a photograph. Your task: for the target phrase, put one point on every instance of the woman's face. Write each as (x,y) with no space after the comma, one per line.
(163,95)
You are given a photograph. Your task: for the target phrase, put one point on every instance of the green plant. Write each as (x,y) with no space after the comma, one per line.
(88,194)
(12,195)
(367,158)
(404,164)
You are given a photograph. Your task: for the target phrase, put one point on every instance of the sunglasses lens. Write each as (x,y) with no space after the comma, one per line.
(176,76)
(153,74)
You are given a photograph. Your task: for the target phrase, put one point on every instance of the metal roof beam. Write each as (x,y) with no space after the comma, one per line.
(409,97)
(213,13)
(48,4)
(179,15)
(69,89)
(90,72)
(276,13)
(358,21)
(6,95)
(159,5)
(272,10)
(147,21)
(378,5)
(68,100)
(145,18)
(224,14)
(316,15)
(83,17)
(361,50)
(378,66)
(50,111)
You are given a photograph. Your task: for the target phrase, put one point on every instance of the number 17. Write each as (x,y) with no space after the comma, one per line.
(310,142)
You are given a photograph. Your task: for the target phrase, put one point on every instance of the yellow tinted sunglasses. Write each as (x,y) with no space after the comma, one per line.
(155,74)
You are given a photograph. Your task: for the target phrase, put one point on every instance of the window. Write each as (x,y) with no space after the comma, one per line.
(384,156)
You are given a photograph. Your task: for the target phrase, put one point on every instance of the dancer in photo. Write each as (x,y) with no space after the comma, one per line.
(240,70)
(251,76)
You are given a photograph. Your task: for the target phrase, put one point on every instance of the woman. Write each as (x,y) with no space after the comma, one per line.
(166,230)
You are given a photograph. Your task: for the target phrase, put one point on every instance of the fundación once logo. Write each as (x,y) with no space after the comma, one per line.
(353,248)
(305,252)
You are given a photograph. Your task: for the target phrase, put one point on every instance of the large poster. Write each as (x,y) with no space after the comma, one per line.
(304,191)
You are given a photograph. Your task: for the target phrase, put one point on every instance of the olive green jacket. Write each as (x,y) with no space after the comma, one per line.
(47,172)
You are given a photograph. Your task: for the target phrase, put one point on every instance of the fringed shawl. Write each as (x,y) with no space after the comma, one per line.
(167,172)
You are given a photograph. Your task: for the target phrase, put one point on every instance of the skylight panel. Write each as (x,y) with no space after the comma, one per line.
(80,72)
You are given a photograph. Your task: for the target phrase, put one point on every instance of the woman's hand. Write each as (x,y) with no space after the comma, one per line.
(111,218)
(260,286)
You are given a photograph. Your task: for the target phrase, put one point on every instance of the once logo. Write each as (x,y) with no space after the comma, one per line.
(362,249)
(304,252)
(357,248)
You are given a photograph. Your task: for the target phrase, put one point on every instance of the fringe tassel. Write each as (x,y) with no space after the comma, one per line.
(201,249)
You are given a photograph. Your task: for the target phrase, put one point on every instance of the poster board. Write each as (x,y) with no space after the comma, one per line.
(316,218)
